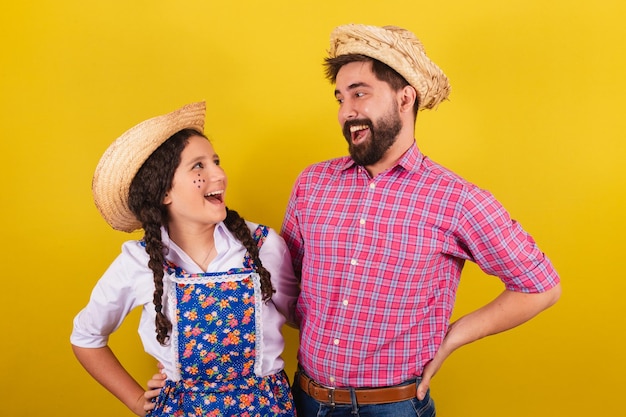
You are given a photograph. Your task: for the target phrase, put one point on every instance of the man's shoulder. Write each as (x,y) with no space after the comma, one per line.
(442,181)
(328,167)
(435,172)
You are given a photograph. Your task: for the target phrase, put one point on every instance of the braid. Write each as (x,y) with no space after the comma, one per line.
(237,225)
(154,247)
(145,199)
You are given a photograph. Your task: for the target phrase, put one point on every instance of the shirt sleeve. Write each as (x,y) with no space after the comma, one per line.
(277,260)
(501,247)
(113,297)
(290,230)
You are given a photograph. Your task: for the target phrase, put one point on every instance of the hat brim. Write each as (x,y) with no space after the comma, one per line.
(122,160)
(401,50)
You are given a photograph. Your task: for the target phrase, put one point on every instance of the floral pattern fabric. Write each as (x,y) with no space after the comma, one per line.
(217,337)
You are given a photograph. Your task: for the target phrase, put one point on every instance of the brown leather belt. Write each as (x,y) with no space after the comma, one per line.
(334,396)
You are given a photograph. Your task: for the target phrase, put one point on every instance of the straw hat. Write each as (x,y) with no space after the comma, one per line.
(399,49)
(121,161)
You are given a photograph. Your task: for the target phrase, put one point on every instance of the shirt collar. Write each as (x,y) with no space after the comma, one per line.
(411,160)
(224,240)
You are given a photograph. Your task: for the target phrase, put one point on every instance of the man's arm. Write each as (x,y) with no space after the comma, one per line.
(508,310)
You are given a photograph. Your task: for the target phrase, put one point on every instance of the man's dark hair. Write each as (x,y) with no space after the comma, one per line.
(382,71)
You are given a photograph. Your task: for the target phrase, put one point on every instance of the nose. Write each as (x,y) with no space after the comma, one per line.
(347,111)
(217,173)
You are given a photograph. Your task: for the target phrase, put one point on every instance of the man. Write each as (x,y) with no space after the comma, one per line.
(379,240)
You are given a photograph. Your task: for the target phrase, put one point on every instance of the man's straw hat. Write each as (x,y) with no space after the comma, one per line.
(401,50)
(121,161)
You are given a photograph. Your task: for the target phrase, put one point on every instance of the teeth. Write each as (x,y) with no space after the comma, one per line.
(212,193)
(355,128)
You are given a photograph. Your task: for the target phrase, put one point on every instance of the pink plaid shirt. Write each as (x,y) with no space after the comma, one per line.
(380,261)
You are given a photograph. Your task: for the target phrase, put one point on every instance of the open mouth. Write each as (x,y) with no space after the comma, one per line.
(357,133)
(216,197)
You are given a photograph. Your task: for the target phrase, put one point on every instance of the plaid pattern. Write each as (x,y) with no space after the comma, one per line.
(380,261)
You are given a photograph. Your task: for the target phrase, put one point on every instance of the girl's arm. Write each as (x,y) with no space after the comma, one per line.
(154,388)
(104,367)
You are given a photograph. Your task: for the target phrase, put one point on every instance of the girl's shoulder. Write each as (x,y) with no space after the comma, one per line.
(268,234)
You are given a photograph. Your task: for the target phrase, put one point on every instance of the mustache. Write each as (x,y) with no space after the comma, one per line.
(356,122)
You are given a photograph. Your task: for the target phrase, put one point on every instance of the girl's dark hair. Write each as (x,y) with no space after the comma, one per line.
(145,198)
(382,71)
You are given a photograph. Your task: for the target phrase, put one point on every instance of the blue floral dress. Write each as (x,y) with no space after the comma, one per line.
(216,337)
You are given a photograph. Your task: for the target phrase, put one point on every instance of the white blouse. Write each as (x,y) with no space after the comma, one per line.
(129,283)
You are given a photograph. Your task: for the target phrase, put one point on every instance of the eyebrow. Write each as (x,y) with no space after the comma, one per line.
(352,87)
(201,158)
(194,160)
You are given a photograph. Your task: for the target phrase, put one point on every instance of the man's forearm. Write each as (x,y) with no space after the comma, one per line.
(508,310)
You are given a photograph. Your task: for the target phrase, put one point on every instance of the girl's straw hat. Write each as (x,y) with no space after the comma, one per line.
(121,161)
(399,49)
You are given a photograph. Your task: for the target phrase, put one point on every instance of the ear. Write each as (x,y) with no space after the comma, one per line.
(407,96)
(167,199)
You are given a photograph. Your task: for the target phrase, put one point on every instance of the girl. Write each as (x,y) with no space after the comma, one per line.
(214,289)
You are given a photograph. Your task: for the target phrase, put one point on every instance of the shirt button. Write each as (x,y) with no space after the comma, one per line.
(362,221)
(345,302)
(336,342)
(372,186)
(353,262)
(332,379)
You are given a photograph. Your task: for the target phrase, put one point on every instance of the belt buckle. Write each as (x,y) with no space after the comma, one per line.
(331,396)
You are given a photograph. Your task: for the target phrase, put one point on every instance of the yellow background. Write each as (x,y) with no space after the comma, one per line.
(535,116)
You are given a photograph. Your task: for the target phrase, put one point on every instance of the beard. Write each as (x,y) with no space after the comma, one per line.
(382,136)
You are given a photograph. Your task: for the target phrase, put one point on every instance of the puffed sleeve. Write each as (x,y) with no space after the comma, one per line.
(116,293)
(277,260)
